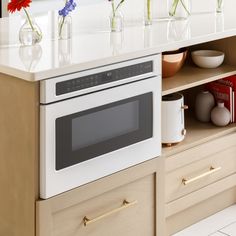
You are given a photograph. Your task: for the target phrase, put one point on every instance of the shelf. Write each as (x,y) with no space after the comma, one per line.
(190,76)
(198,133)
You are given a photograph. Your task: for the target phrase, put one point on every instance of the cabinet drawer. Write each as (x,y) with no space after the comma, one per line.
(208,205)
(127,210)
(198,174)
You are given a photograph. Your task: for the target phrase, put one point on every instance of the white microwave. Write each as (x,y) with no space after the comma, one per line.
(97,122)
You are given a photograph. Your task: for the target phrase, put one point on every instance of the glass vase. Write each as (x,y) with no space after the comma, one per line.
(116,21)
(219,6)
(179,9)
(30,33)
(148,12)
(64,52)
(65,27)
(219,22)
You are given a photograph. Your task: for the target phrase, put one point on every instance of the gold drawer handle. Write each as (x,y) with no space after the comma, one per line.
(125,205)
(211,171)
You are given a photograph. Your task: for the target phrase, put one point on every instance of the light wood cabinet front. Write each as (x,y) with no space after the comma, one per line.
(138,219)
(127,210)
(207,170)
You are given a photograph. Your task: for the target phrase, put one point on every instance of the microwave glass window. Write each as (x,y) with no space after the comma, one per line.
(87,134)
(106,124)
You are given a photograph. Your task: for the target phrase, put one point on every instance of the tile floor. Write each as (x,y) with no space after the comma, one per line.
(222,223)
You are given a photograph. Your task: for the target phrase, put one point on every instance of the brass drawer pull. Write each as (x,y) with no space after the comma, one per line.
(211,171)
(125,205)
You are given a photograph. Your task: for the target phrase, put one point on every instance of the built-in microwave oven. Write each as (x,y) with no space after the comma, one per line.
(97,122)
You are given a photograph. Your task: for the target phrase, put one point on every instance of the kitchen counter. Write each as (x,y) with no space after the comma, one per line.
(88,49)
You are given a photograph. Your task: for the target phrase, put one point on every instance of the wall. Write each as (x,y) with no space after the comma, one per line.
(133,7)
(94,14)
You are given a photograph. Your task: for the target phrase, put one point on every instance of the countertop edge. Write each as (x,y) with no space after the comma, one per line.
(47,74)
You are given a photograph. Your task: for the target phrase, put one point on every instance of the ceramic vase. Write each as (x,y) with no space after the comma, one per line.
(220,115)
(204,103)
(30,33)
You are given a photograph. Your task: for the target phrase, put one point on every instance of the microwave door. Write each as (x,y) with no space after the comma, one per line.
(88,134)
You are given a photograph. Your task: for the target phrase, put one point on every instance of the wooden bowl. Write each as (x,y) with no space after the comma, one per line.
(172,62)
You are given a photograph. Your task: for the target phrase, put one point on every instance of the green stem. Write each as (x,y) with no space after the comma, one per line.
(173,7)
(62,22)
(113,8)
(31,24)
(61,25)
(113,21)
(119,4)
(219,2)
(185,7)
(149,10)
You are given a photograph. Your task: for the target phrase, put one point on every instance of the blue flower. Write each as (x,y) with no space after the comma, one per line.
(69,6)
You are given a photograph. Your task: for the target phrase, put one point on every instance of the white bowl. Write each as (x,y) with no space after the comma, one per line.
(208,58)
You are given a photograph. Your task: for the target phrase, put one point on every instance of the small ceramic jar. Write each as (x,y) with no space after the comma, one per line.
(204,103)
(220,115)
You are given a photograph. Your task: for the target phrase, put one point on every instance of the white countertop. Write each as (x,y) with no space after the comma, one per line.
(96,47)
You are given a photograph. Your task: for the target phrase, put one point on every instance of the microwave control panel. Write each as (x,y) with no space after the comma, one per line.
(103,77)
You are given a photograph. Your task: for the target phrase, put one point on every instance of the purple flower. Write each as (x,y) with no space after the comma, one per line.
(69,6)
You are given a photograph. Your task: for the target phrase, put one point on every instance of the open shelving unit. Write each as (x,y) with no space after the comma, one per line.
(204,149)
(191,76)
(197,132)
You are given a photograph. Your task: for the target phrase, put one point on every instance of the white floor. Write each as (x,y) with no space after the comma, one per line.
(222,223)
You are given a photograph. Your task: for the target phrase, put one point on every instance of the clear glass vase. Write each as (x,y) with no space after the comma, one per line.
(219,22)
(30,33)
(64,52)
(179,9)
(65,27)
(148,12)
(219,6)
(116,21)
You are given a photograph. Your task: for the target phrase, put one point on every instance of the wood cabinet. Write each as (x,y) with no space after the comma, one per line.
(201,166)
(208,190)
(126,203)
(130,202)
(201,170)
(19,135)
(135,201)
